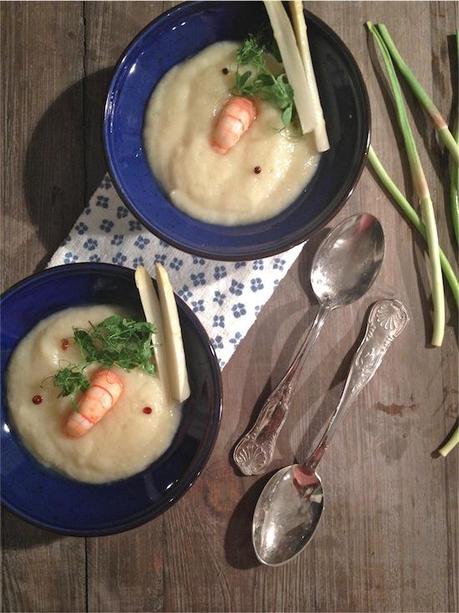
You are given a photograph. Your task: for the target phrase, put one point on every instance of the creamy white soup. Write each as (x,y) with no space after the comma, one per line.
(256,179)
(125,441)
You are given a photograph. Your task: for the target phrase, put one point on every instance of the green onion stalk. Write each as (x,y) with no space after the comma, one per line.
(422,191)
(438,120)
(451,442)
(454,166)
(411,215)
(448,272)
(454,190)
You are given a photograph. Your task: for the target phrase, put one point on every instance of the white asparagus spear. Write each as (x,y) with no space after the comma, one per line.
(153,315)
(299,25)
(293,64)
(178,376)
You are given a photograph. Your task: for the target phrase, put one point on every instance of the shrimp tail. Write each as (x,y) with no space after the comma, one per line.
(235,118)
(102,395)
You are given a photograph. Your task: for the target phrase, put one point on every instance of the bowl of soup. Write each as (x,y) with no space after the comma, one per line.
(144,453)
(272,190)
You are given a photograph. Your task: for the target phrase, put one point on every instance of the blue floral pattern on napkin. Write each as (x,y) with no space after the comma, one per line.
(226,296)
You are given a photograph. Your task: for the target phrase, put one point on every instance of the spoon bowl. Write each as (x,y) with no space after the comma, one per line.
(348,261)
(282,523)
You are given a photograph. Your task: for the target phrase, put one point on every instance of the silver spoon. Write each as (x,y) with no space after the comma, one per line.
(290,506)
(344,267)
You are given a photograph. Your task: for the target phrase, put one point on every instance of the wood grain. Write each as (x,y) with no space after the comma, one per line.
(388,541)
(42,99)
(42,192)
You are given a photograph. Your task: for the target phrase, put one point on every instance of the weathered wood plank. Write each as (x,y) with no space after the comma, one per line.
(42,571)
(42,192)
(442,81)
(43,187)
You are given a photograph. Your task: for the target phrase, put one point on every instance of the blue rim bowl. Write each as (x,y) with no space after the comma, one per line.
(181,33)
(47,498)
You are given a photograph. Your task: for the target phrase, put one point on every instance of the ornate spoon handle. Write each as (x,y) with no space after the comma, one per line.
(255,450)
(386,321)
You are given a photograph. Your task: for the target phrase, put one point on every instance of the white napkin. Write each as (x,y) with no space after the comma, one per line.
(226,296)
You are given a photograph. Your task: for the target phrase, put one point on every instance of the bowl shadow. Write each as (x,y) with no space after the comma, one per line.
(239,552)
(18,534)
(65,159)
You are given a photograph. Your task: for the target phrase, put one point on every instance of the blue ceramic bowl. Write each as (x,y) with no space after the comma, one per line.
(181,33)
(43,496)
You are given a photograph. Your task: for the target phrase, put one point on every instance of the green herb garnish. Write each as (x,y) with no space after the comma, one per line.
(261,81)
(118,341)
(71,381)
(115,341)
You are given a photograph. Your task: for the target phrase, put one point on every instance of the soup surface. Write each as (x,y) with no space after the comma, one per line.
(224,189)
(123,443)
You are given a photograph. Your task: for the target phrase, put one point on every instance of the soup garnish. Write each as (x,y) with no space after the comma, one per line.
(115,341)
(236,117)
(258,81)
(170,354)
(102,394)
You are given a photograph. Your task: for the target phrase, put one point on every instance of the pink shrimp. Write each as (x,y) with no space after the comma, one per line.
(102,395)
(236,117)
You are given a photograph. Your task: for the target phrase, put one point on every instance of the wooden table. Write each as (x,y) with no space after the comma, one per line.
(388,541)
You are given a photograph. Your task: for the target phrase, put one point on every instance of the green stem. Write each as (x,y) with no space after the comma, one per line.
(420,93)
(454,195)
(411,215)
(453,165)
(452,441)
(422,191)
(438,293)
